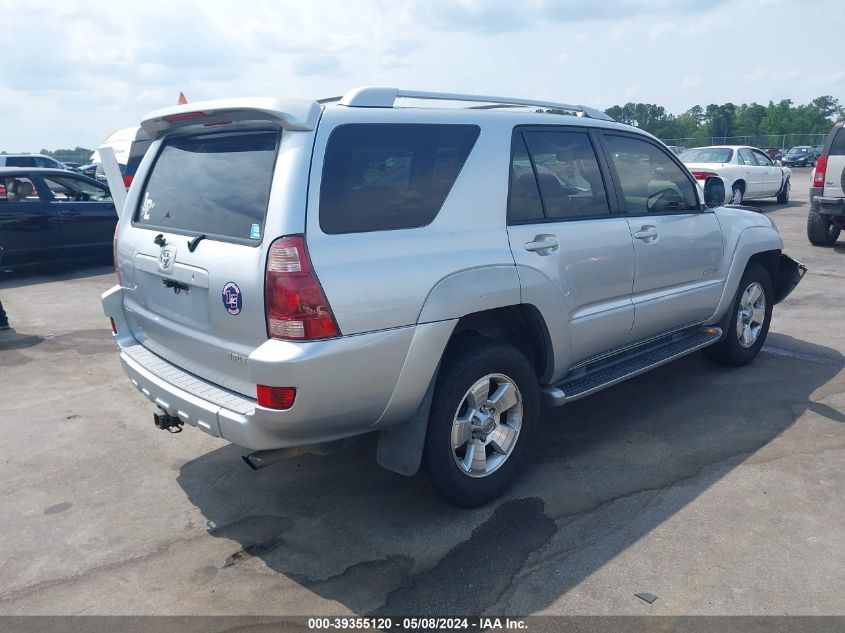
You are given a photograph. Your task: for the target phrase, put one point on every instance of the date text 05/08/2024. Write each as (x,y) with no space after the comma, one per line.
(416,623)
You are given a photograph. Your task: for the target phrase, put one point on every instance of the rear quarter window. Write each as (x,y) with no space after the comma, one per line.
(20,161)
(215,184)
(379,177)
(837,146)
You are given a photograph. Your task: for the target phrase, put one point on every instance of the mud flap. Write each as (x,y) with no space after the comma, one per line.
(400,447)
(788,276)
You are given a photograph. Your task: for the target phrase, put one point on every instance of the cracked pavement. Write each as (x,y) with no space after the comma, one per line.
(717,490)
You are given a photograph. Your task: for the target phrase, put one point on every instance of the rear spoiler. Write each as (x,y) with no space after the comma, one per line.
(291,114)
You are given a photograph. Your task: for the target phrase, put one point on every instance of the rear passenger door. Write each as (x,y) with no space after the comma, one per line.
(29,228)
(86,212)
(677,244)
(563,223)
(753,174)
(771,174)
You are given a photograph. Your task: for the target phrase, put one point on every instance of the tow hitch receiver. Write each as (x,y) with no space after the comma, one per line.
(167,422)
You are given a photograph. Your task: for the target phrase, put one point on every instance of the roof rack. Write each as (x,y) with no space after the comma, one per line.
(374,97)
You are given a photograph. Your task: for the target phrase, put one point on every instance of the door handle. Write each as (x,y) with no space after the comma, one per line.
(646,233)
(542,243)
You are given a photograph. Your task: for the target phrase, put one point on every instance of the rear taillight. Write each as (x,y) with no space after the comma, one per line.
(127,181)
(114,251)
(275,397)
(294,303)
(113,326)
(703,175)
(819,172)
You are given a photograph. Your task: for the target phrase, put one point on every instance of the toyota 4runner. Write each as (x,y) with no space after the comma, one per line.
(431,267)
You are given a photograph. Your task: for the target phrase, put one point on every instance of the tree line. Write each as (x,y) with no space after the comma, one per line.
(699,124)
(731,120)
(77,154)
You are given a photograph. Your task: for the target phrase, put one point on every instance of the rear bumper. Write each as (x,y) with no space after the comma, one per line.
(345,386)
(828,205)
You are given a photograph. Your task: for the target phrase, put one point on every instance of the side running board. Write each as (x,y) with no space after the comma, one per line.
(605,372)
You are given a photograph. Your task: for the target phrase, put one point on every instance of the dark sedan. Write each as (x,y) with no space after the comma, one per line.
(800,156)
(53,214)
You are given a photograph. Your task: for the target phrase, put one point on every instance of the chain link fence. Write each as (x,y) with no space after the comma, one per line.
(779,141)
(77,157)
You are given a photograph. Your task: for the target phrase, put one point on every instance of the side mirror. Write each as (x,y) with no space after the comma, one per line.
(714,192)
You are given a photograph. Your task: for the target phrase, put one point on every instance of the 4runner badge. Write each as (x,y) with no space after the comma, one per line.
(232,298)
(165,259)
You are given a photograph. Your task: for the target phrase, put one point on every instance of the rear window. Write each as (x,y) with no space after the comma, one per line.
(708,155)
(379,177)
(837,146)
(216,184)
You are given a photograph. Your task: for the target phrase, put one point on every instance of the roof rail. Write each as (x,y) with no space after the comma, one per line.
(374,97)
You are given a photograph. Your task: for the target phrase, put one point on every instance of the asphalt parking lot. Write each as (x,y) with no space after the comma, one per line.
(717,490)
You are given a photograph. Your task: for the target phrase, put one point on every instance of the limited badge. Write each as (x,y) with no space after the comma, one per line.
(232,298)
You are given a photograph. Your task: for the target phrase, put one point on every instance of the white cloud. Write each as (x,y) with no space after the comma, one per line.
(107,63)
(312,64)
(760,74)
(691,81)
(662,30)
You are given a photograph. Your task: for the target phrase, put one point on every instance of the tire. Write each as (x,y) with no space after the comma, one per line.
(820,230)
(748,322)
(448,462)
(783,196)
(737,194)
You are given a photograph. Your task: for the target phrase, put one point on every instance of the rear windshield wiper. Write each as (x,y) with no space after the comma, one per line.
(192,244)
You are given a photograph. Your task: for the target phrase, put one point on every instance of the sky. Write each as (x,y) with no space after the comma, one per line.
(74,71)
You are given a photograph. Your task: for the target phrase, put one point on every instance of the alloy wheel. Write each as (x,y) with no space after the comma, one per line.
(751,315)
(486,425)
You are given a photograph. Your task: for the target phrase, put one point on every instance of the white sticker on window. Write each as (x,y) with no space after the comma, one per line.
(147,206)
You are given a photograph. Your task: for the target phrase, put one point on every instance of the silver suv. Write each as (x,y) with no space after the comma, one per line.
(293,274)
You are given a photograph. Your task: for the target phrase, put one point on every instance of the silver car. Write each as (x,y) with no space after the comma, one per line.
(294,274)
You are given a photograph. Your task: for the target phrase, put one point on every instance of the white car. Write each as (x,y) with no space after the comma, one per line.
(750,173)
(129,145)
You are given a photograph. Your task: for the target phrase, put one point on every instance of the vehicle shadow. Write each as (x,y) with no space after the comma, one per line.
(771,205)
(11,339)
(606,471)
(48,273)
